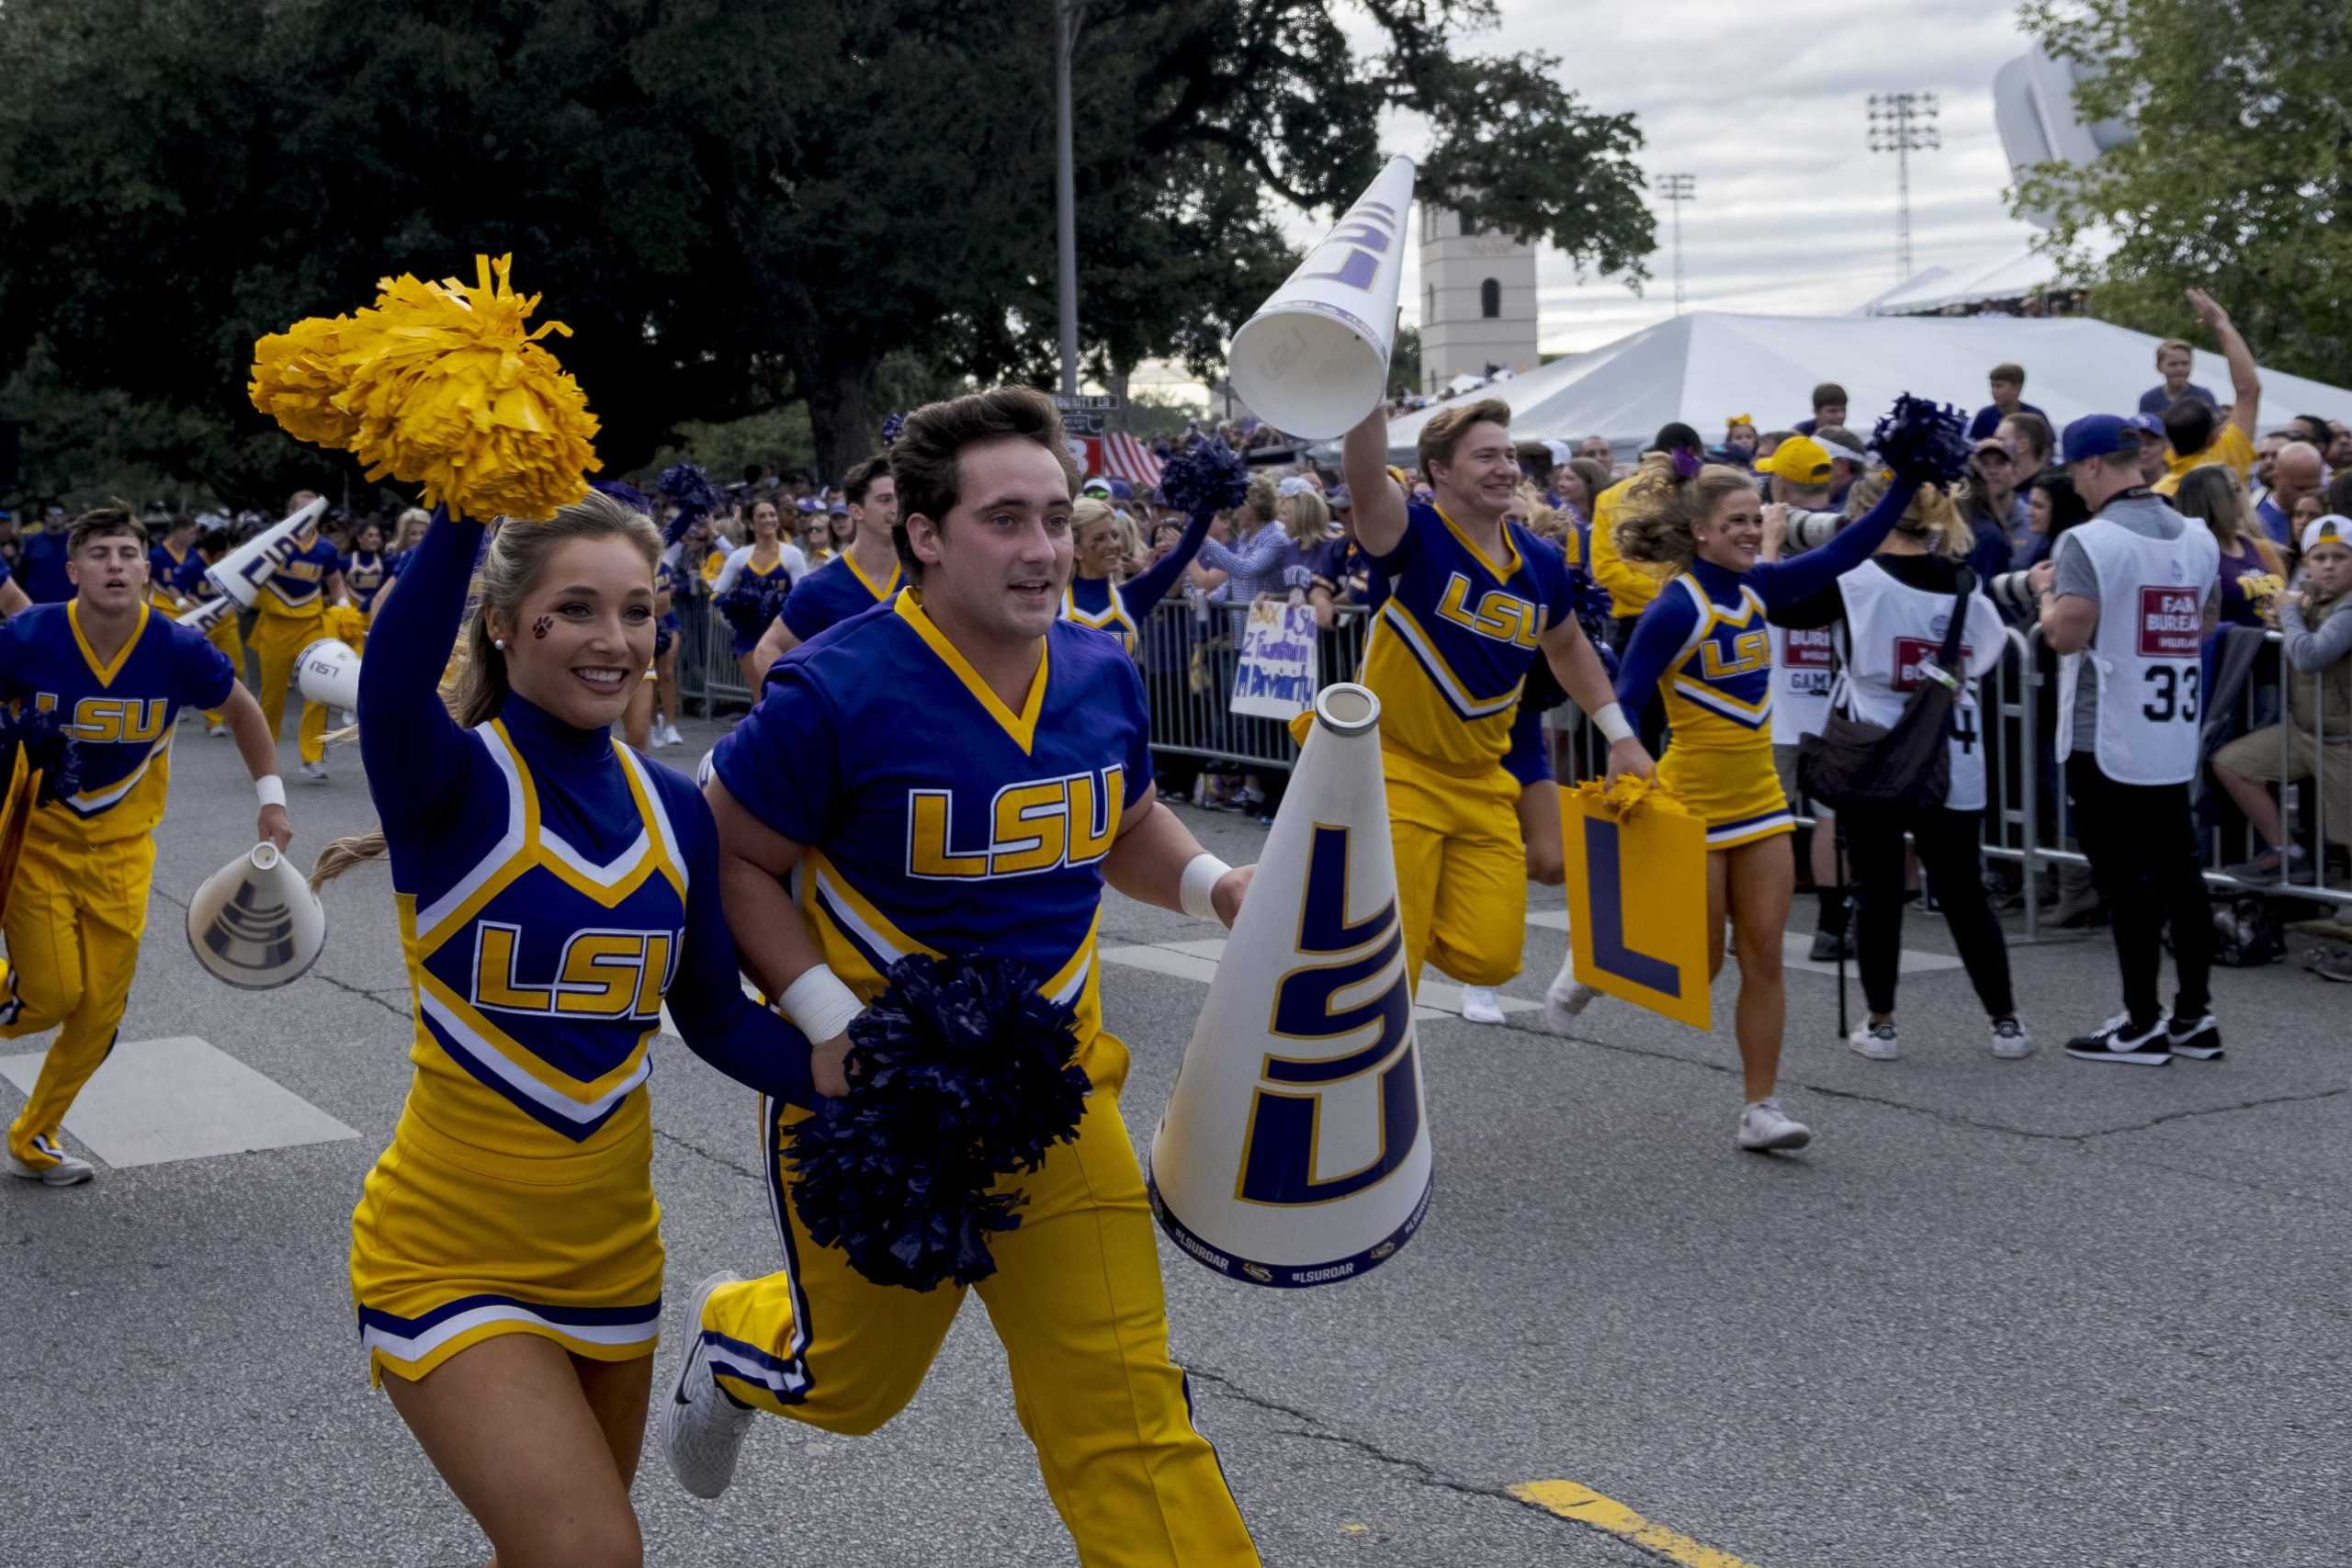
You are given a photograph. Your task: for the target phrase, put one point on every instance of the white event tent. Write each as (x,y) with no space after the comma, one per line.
(1703,368)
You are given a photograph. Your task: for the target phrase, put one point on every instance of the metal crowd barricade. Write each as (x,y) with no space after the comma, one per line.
(708,672)
(1190,651)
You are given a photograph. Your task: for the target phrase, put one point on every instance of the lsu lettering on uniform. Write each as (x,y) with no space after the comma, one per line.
(288,611)
(1705,644)
(1450,648)
(79,903)
(936,819)
(554,890)
(832,594)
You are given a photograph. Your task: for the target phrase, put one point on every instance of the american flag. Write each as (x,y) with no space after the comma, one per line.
(1126,457)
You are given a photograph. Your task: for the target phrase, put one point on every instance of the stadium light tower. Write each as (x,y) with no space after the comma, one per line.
(1904,123)
(1677,189)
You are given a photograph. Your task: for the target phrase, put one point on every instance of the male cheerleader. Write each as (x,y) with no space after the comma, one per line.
(861,577)
(1472,601)
(290,611)
(959,772)
(123,671)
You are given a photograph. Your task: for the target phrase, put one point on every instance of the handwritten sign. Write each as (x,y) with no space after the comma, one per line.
(1276,676)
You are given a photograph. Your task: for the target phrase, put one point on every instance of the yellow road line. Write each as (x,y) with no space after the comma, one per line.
(1584,1507)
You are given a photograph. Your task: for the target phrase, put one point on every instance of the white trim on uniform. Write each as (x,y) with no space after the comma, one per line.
(523,1083)
(415,1347)
(494,860)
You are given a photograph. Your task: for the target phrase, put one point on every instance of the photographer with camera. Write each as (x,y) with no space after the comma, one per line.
(1889,616)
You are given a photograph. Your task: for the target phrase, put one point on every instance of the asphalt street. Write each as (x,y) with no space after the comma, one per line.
(2010,1314)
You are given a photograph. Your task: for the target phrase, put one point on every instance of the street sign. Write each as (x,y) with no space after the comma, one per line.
(1087,402)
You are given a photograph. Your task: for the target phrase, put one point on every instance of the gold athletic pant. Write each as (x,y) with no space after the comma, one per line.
(74,917)
(1076,1302)
(277,640)
(1461,868)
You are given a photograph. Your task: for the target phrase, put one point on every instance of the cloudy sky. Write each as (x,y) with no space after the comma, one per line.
(1766,106)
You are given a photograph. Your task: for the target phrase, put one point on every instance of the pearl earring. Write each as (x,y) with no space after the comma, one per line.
(498,642)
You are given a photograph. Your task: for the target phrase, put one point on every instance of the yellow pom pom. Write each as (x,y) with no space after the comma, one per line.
(296,376)
(440,385)
(1627,795)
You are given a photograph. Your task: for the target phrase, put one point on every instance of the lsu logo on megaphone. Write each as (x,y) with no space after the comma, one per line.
(266,563)
(1279,1161)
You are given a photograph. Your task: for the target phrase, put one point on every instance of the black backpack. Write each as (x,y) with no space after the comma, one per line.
(1854,765)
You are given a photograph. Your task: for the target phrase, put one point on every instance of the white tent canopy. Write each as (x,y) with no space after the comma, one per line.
(1704,368)
(1940,288)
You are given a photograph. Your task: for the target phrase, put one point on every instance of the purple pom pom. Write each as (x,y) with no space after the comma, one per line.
(627,494)
(1206,477)
(49,748)
(892,428)
(1923,442)
(1591,605)
(964,1073)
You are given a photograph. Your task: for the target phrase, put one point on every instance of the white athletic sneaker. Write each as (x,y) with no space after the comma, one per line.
(1764,1126)
(1565,998)
(2011,1041)
(69,1170)
(670,736)
(216,729)
(1875,1041)
(656,739)
(702,1427)
(1478,1005)
(313,773)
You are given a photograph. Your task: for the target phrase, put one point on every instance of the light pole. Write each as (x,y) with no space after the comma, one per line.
(1067,16)
(1677,189)
(1904,123)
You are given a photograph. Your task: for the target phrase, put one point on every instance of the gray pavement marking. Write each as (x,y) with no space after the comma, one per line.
(158,1100)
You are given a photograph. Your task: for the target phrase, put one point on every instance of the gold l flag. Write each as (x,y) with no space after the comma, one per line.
(1637,897)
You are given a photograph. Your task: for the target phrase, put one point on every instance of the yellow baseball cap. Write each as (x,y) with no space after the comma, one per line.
(1801,461)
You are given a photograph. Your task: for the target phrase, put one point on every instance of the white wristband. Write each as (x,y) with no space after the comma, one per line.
(1201,877)
(271,789)
(818,1004)
(1612,720)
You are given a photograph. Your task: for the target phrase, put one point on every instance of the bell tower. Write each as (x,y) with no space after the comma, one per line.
(1477,302)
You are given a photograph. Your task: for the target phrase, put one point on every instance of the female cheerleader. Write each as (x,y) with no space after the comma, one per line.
(766,560)
(1703,641)
(554,892)
(364,570)
(1096,597)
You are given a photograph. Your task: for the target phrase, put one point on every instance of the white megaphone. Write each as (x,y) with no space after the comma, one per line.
(241,573)
(1293,1150)
(1314,360)
(329,673)
(255,923)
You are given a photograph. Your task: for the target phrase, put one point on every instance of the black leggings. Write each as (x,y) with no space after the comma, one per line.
(1948,853)
(2142,843)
